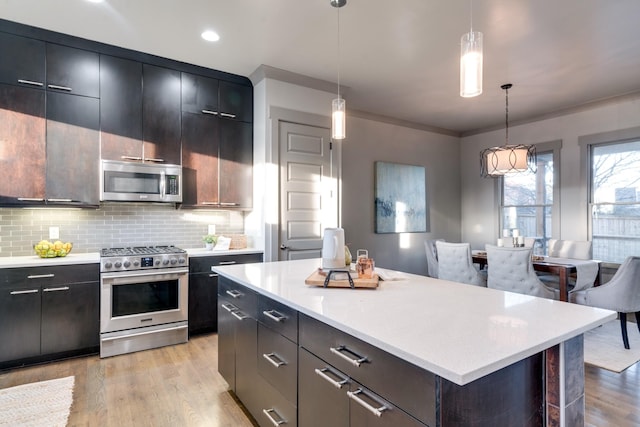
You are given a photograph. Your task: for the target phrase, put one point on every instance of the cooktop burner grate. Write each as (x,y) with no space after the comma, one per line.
(141,250)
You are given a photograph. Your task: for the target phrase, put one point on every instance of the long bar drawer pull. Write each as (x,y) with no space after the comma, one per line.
(239,315)
(274,315)
(30,291)
(228,262)
(336,384)
(229,307)
(40,276)
(275,422)
(234,293)
(359,360)
(65,88)
(213,113)
(130,158)
(353,395)
(30,82)
(61,288)
(274,359)
(213,275)
(151,159)
(232,116)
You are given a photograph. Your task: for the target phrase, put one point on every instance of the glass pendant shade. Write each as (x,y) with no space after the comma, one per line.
(471,64)
(338,119)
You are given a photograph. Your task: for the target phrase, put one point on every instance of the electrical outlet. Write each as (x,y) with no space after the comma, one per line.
(54,232)
(211,229)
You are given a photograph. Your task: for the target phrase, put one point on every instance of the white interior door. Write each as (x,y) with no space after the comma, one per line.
(308,189)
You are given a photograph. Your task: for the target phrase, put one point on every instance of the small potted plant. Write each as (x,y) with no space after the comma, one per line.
(209,241)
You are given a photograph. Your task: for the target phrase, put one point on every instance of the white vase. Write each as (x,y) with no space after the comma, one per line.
(208,246)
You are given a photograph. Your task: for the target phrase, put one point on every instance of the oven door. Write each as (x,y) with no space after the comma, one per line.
(130,300)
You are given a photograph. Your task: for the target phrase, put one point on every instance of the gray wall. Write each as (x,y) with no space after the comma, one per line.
(113,225)
(370,141)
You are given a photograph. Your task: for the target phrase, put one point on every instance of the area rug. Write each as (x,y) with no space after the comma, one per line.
(41,404)
(603,347)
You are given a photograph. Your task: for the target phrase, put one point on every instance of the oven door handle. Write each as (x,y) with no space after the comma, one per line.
(133,277)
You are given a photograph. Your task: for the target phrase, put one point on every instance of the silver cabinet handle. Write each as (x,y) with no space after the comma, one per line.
(151,159)
(274,315)
(213,275)
(30,291)
(61,288)
(275,422)
(274,359)
(228,262)
(130,158)
(213,113)
(229,307)
(40,276)
(228,204)
(336,384)
(239,315)
(30,82)
(65,88)
(375,411)
(211,203)
(59,200)
(234,294)
(359,360)
(30,199)
(231,116)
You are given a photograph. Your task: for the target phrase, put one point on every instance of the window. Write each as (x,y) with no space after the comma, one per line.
(528,201)
(615,200)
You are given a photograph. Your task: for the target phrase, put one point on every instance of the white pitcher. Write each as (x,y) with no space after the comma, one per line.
(333,249)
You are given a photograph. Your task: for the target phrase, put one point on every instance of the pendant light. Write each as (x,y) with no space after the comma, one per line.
(338,105)
(471,62)
(507,159)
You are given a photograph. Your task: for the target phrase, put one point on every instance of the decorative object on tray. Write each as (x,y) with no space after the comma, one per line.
(364,264)
(340,279)
(238,241)
(333,249)
(46,249)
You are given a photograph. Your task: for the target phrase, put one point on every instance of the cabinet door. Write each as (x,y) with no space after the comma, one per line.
(322,393)
(73,149)
(161,115)
(19,322)
(74,71)
(120,108)
(200,138)
(236,164)
(70,317)
(27,64)
(203,299)
(199,94)
(236,101)
(22,132)
(227,342)
(248,384)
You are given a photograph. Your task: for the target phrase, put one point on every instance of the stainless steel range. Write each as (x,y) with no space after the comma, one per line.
(143,298)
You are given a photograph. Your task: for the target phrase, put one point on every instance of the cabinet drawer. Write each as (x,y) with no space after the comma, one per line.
(274,408)
(53,275)
(278,362)
(279,317)
(244,299)
(409,387)
(203,264)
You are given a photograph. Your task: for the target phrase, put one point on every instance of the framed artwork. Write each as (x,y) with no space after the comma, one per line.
(400,195)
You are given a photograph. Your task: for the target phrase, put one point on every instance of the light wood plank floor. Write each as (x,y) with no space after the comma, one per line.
(180,386)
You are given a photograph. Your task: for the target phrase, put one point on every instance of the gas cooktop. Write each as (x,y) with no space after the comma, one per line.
(141,250)
(142,258)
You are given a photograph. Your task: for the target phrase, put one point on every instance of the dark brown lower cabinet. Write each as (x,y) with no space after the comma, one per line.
(19,322)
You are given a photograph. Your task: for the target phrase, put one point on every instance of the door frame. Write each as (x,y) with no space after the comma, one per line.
(272,204)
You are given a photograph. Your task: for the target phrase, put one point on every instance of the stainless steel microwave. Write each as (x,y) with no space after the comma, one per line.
(140,182)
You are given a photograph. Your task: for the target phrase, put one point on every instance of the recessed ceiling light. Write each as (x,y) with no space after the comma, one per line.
(210,36)
(95,1)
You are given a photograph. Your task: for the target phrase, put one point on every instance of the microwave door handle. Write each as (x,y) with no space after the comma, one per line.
(162,185)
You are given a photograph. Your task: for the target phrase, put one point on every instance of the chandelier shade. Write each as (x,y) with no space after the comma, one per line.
(507,159)
(471,64)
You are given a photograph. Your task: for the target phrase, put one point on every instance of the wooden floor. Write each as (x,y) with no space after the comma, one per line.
(180,386)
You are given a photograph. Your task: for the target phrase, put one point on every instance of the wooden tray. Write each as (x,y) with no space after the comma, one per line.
(318,277)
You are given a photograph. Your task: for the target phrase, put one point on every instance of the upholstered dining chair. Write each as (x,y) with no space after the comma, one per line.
(455,264)
(511,269)
(432,257)
(576,249)
(621,294)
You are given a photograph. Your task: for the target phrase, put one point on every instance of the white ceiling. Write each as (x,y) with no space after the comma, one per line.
(398,58)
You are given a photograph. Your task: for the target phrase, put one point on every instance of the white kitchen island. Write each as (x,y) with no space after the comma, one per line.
(470,338)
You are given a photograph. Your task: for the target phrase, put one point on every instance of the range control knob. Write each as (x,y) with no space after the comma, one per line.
(127,264)
(173,261)
(108,264)
(182,260)
(157,262)
(165,262)
(136,263)
(118,264)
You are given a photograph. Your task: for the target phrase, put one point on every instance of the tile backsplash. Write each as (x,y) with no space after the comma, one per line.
(112,225)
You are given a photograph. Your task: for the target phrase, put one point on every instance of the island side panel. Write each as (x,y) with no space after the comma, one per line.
(565,404)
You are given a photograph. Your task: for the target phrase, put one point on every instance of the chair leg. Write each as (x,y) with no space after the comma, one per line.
(638,320)
(623,327)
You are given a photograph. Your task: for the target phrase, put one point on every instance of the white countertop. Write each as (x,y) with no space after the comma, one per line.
(36,261)
(197,252)
(459,332)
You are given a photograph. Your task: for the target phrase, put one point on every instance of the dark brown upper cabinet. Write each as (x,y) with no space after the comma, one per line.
(199,94)
(73,71)
(236,101)
(27,64)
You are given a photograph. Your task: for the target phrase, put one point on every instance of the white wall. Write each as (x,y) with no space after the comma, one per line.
(479,197)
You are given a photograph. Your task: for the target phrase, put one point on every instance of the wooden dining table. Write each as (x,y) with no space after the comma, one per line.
(561,267)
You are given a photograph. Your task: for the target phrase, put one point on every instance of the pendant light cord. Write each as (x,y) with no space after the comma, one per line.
(339,53)
(506,116)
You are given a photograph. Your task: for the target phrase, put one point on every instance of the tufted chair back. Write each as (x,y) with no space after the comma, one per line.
(432,257)
(576,249)
(621,293)
(511,269)
(455,264)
